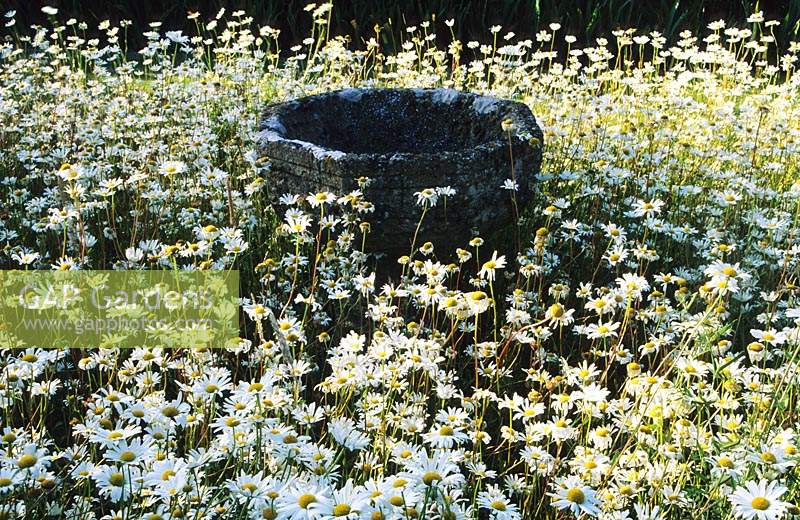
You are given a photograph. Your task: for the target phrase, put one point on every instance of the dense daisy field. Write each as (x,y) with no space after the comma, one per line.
(637,358)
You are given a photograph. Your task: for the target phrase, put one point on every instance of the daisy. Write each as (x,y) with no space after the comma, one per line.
(478,301)
(574,495)
(116,483)
(8,480)
(303,502)
(644,512)
(759,500)
(427,198)
(508,125)
(510,185)
(769,336)
(601,305)
(772,457)
(344,431)
(489,267)
(32,459)
(25,258)
(435,470)
(643,208)
(500,507)
(445,191)
(558,315)
(346,502)
(171,168)
(445,436)
(602,330)
(133,452)
(726,465)
(247,487)
(320,199)
(70,172)
(211,385)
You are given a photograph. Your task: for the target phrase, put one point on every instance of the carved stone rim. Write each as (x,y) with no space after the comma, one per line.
(273,131)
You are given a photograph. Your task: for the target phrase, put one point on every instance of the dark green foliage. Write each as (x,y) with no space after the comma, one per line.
(586,19)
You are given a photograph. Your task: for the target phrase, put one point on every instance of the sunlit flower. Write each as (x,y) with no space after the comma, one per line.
(759,500)
(171,168)
(573,495)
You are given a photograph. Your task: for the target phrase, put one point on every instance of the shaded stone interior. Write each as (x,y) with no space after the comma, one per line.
(391,121)
(406,140)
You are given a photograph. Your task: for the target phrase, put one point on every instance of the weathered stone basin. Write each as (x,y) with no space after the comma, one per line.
(407,140)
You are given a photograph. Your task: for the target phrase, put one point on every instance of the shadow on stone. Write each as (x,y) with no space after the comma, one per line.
(407,140)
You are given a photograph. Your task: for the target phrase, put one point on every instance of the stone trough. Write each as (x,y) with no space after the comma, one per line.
(407,140)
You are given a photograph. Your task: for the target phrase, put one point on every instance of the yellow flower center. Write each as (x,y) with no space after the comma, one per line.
(27,461)
(305,500)
(341,510)
(768,457)
(576,495)
(498,505)
(760,503)
(116,479)
(430,477)
(127,456)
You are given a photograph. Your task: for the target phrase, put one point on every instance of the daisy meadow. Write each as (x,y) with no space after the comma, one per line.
(628,348)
